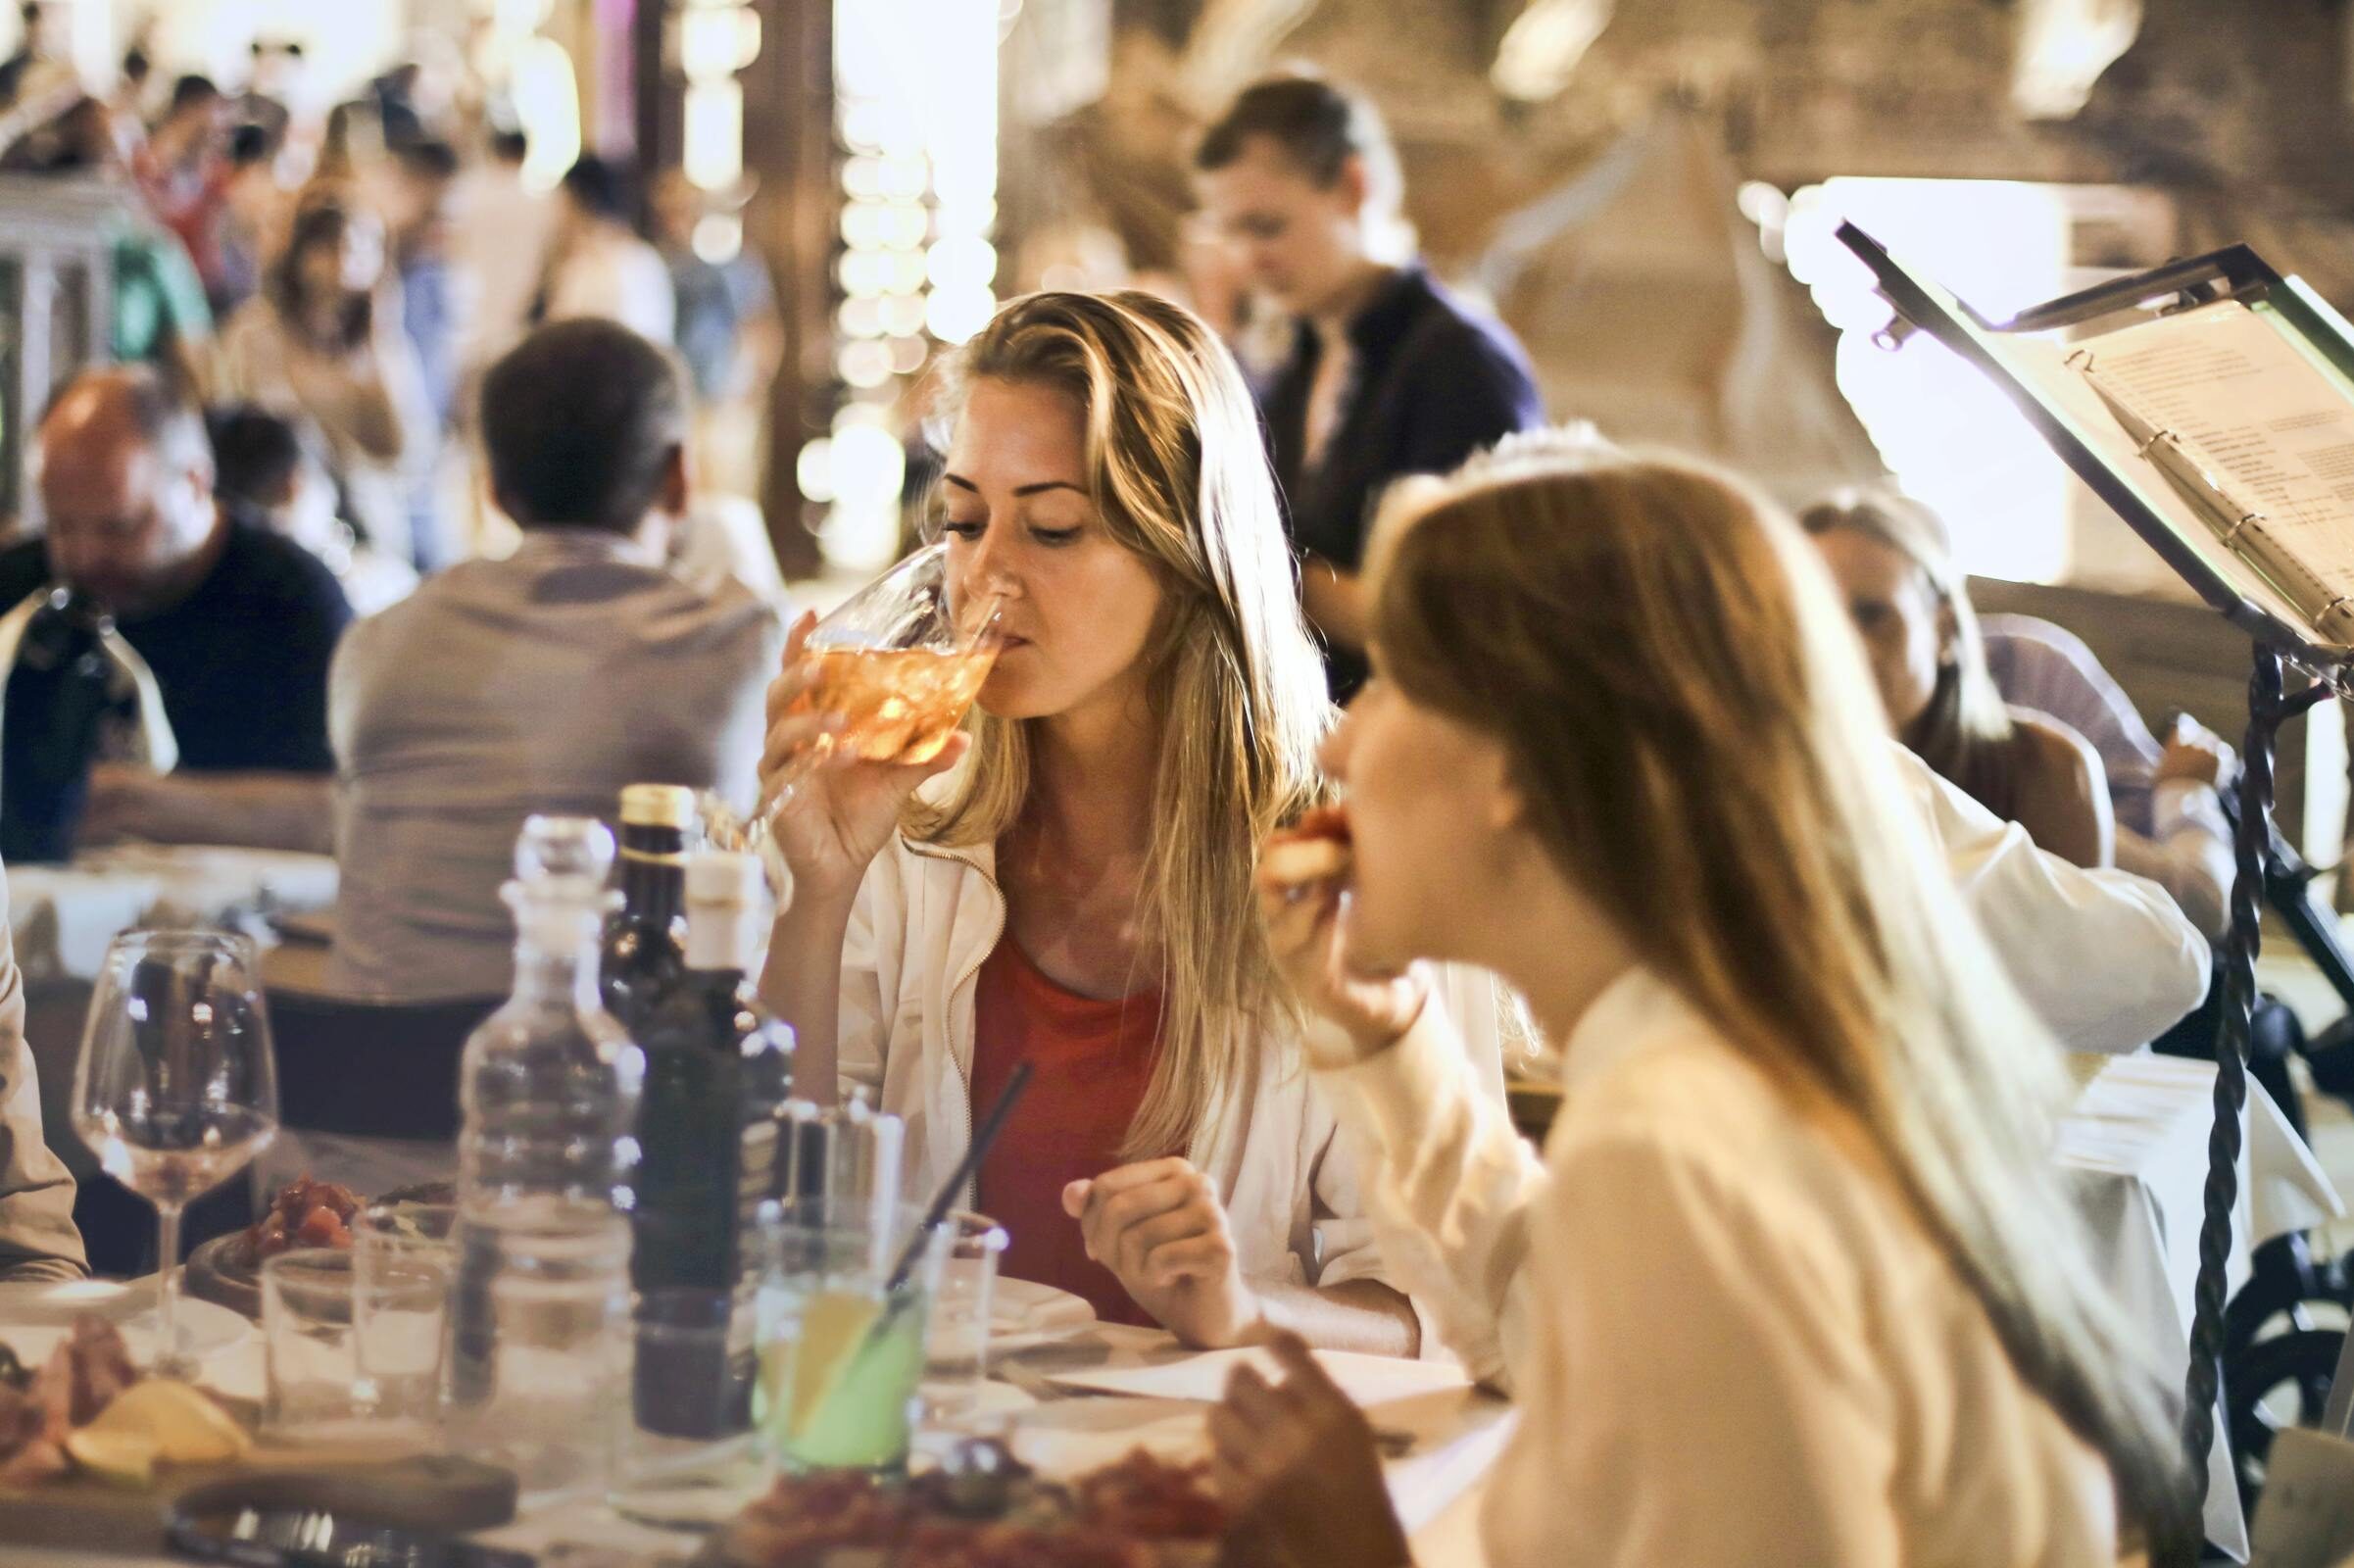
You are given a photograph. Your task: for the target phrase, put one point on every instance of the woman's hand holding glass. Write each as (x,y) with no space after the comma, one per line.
(1361,1013)
(829,810)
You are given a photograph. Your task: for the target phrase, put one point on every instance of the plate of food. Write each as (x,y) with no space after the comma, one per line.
(305,1213)
(92,1454)
(1024,1315)
(983,1511)
(78,1402)
(37,1317)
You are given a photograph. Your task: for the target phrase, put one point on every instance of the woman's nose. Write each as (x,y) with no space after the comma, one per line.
(990,569)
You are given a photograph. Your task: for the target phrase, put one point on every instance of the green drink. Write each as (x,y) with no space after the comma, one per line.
(840,1361)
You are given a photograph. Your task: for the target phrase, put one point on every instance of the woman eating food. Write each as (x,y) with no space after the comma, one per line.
(1069,883)
(1796,1280)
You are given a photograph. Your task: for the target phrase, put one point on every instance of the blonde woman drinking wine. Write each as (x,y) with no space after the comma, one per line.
(1069,884)
(1795,1281)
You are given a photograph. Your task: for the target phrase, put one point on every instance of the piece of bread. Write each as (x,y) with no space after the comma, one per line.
(1300,860)
(1314,849)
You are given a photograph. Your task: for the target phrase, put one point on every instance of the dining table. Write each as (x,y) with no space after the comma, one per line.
(1441,1434)
(2132,1150)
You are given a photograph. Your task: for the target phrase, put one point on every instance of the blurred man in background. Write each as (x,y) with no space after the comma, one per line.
(541,683)
(599,265)
(236,624)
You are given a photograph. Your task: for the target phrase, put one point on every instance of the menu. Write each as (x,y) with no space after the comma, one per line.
(2252,434)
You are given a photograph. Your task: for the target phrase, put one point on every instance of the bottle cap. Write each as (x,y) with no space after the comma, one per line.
(658,806)
(568,847)
(724,876)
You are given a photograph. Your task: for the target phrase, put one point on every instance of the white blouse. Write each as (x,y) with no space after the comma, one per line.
(1727,1345)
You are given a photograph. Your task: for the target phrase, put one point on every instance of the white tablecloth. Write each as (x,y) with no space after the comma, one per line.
(2137,1144)
(63,915)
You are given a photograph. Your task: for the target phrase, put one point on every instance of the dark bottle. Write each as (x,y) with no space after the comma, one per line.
(719,1070)
(73,699)
(718,1067)
(645,942)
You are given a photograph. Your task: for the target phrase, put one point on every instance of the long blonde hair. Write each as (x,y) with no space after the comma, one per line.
(1699,746)
(1177,471)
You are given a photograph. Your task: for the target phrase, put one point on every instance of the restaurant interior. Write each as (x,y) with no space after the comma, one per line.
(1149,782)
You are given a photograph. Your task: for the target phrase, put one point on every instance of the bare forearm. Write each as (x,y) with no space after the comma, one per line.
(1335,599)
(255,810)
(2195,867)
(802,984)
(1359,1315)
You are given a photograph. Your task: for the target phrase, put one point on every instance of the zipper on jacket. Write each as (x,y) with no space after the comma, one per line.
(964,1079)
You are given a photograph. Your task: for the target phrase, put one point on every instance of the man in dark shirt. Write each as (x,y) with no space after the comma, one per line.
(237,624)
(1389,374)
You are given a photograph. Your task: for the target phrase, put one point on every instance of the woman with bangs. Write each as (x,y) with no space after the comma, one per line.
(1796,1280)
(1069,883)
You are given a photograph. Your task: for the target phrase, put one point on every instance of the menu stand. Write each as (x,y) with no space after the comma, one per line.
(2292,592)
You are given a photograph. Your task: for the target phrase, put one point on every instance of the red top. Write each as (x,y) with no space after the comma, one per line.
(1090,1062)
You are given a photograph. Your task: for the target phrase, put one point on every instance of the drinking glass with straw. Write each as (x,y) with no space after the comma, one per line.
(842,1314)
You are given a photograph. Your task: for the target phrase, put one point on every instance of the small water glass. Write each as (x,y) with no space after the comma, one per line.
(405,1259)
(840,1165)
(955,1357)
(310,1354)
(686,1459)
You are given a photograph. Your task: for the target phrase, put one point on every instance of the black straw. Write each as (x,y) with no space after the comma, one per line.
(983,1136)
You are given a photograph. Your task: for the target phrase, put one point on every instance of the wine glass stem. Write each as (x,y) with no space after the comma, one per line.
(166,1326)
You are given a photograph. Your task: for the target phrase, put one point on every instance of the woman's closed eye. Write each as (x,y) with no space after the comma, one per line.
(972,527)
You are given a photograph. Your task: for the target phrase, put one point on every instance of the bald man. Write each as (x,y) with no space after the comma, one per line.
(237,623)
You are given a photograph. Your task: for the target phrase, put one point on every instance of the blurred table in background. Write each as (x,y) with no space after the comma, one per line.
(62,918)
(2134,1146)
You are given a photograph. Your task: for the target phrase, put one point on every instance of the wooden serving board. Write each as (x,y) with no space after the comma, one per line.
(221,1272)
(418,1491)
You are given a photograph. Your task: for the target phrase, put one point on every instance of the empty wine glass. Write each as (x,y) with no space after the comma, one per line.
(176,1088)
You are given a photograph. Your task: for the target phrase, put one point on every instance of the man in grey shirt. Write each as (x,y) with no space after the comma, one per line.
(544,683)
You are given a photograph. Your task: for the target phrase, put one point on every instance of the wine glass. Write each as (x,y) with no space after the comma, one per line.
(900,661)
(176,1088)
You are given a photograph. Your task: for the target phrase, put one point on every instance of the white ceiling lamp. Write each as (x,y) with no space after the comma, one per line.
(1543,47)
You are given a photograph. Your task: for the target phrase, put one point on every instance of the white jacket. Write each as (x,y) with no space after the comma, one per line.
(927,918)
(2104,958)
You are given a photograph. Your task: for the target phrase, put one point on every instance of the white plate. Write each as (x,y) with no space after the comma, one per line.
(35,1317)
(1024,1315)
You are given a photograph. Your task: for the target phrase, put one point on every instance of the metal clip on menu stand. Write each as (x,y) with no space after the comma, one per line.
(2280,638)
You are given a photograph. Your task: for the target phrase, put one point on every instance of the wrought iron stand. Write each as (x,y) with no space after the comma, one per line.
(2269,707)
